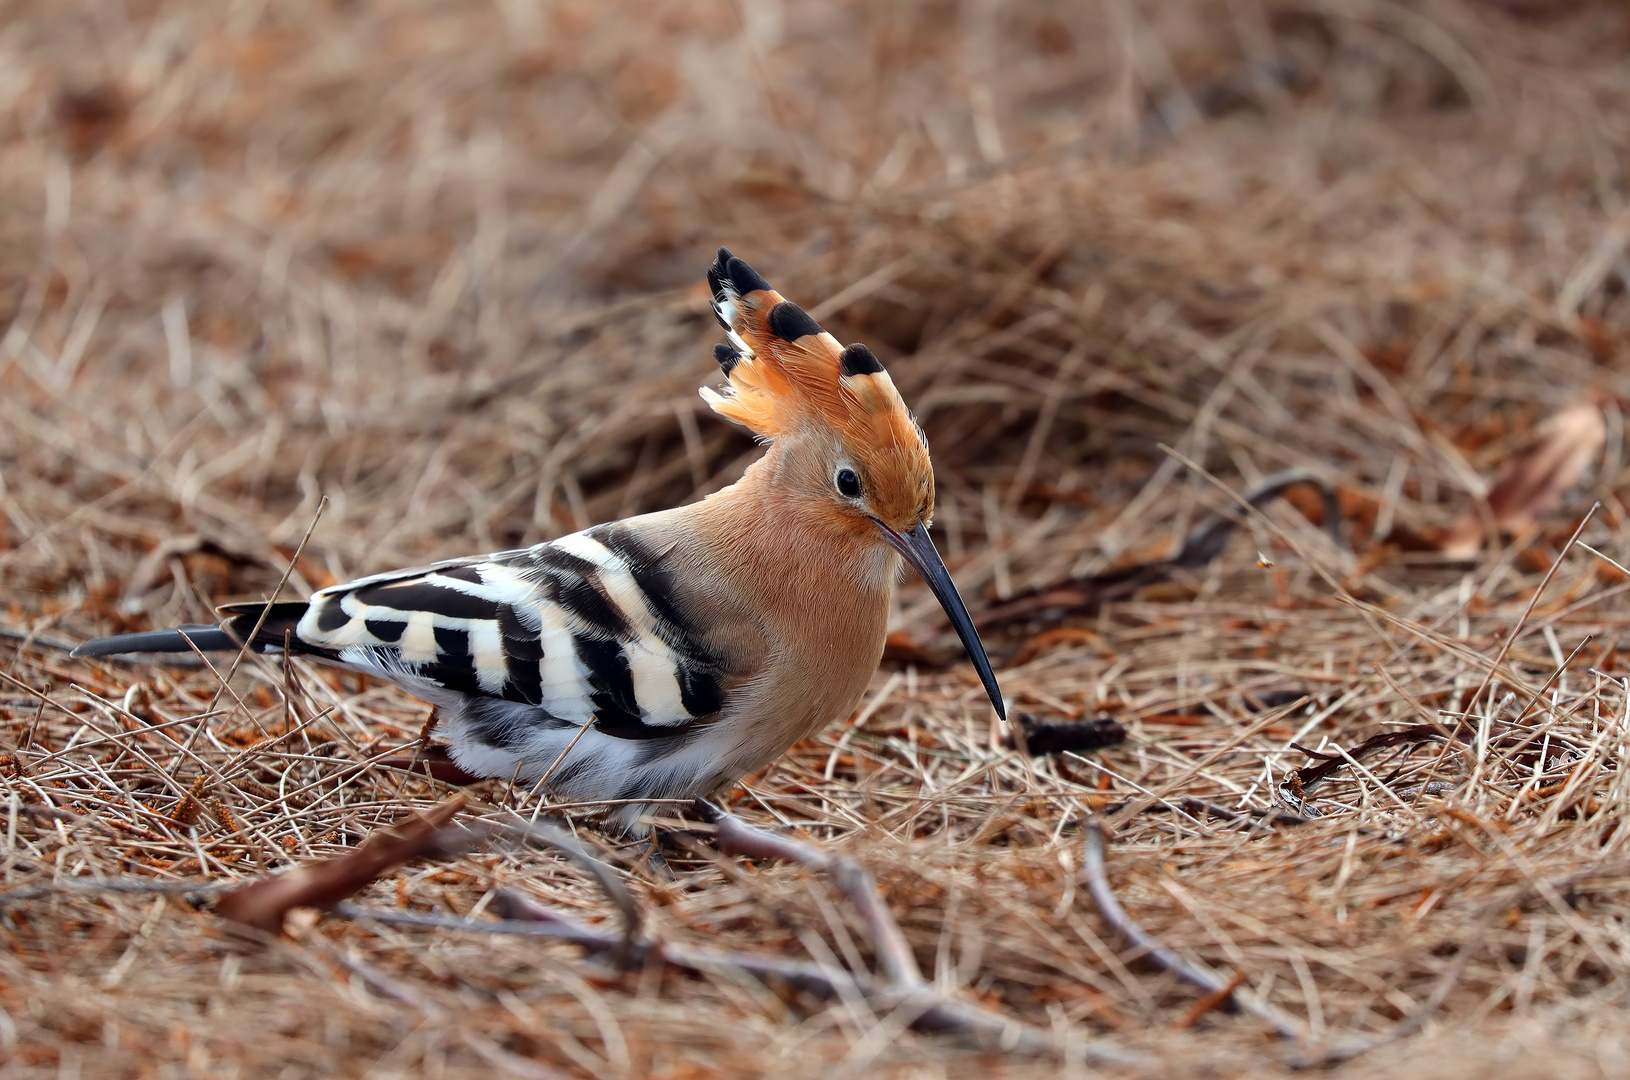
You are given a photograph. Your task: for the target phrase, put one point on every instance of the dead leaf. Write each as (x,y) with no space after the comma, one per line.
(1061,736)
(263,904)
(1569,442)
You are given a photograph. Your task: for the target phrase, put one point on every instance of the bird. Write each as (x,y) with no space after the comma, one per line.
(664,656)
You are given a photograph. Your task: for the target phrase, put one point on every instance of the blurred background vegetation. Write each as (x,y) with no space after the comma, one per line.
(442,262)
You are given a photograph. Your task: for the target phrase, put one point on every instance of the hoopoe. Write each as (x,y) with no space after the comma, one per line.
(666,655)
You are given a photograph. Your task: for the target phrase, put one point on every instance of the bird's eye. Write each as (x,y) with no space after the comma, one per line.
(848,483)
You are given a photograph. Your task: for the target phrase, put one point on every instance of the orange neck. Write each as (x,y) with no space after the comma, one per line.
(777,535)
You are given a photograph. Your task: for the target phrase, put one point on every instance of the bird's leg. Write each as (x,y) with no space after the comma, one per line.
(682,841)
(709,811)
(633,848)
(654,860)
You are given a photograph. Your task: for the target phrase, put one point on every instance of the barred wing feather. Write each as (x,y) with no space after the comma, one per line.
(584,629)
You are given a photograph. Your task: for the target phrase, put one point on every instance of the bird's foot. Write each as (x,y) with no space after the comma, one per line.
(654,860)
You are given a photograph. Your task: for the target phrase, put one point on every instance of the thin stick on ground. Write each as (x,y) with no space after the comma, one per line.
(266,611)
(1097,881)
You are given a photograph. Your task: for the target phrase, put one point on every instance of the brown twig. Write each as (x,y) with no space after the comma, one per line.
(1097,881)
(604,876)
(138,886)
(1220,990)
(1209,1002)
(903,979)
(522,916)
(263,903)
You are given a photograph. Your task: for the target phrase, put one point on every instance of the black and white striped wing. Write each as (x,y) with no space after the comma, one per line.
(586,629)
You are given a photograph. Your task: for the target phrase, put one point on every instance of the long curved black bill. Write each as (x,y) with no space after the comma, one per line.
(919,551)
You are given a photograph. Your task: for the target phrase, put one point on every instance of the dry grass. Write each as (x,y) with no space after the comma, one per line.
(440,263)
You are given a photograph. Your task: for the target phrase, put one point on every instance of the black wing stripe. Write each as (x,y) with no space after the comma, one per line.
(386,630)
(455,677)
(331,616)
(520,641)
(571,580)
(655,581)
(700,691)
(698,669)
(579,597)
(480,630)
(611,681)
(453,645)
(523,683)
(423,595)
(541,561)
(523,649)
(632,729)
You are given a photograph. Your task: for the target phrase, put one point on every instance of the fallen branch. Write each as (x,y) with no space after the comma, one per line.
(263,903)
(901,989)
(1097,882)
(604,876)
(904,985)
(1220,990)
(72,887)
(523,917)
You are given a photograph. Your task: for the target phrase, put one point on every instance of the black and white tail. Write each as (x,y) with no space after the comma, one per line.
(276,630)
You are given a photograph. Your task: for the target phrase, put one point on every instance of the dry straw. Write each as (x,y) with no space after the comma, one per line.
(440,264)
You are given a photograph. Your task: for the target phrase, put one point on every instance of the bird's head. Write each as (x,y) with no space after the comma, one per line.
(852,443)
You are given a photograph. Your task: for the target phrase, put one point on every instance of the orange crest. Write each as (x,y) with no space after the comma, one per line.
(787,374)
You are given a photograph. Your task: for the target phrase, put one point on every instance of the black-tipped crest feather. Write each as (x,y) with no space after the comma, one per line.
(743,279)
(789,322)
(727,356)
(859,360)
